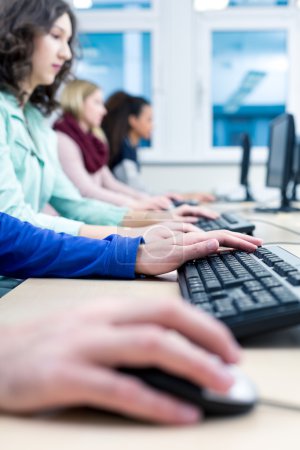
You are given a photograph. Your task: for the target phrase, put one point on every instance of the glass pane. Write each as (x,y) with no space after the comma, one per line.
(249,84)
(112,4)
(258,3)
(117,61)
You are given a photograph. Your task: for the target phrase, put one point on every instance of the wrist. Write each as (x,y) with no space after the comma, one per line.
(139,265)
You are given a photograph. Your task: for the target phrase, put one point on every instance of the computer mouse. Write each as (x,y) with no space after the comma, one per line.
(240,398)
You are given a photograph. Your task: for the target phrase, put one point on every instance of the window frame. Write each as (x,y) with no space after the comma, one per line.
(181,88)
(144,21)
(240,19)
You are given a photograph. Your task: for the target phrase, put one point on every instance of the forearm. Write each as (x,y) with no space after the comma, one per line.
(109,196)
(27,251)
(110,182)
(95,232)
(145,218)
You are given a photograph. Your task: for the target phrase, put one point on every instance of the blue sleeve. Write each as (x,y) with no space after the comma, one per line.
(27,251)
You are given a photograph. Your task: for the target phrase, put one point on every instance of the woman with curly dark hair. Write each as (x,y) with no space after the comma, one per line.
(36,53)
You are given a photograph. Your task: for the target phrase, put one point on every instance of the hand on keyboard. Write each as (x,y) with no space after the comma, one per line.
(191,214)
(169,254)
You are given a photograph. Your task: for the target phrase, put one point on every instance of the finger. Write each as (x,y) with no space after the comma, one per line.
(127,395)
(186,219)
(232,241)
(153,346)
(197,211)
(246,237)
(182,226)
(170,313)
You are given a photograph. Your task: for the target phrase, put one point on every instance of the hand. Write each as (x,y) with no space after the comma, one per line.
(191,214)
(70,359)
(152,203)
(163,230)
(164,256)
(201,197)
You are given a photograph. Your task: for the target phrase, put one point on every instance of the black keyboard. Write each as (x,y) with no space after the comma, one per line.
(230,222)
(251,293)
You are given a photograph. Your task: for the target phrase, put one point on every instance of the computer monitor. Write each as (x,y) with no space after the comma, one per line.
(280,162)
(245,164)
(296,168)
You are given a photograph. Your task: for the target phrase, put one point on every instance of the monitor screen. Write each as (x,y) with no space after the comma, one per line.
(282,142)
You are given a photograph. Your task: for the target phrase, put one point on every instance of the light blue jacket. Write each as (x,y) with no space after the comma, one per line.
(31,175)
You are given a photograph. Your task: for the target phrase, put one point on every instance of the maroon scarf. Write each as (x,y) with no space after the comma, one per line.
(94,151)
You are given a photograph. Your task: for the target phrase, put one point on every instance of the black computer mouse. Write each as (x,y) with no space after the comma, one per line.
(240,398)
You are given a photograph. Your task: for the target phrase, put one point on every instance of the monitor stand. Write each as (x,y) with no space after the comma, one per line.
(226,199)
(294,192)
(249,197)
(285,206)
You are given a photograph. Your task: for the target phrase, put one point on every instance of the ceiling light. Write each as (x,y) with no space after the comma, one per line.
(210,5)
(83,4)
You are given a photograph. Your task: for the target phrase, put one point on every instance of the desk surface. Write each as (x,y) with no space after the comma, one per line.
(272,361)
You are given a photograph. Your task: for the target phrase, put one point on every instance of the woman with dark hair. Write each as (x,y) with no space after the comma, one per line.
(36,53)
(129,119)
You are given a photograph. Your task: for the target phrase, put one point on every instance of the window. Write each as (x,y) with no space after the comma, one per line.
(117,61)
(249,84)
(112,4)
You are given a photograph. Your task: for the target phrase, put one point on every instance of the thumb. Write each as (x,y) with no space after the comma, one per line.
(200,250)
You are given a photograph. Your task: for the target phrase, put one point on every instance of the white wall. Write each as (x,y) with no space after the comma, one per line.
(216,178)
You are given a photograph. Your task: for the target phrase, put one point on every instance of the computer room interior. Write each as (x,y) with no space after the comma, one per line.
(213,70)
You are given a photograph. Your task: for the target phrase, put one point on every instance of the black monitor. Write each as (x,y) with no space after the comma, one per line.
(296,169)
(280,162)
(245,164)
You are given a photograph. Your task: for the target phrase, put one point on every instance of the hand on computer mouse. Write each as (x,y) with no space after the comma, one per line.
(166,255)
(70,359)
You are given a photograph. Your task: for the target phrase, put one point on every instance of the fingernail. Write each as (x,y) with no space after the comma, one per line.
(211,245)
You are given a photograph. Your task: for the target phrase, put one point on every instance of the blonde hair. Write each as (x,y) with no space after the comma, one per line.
(73,97)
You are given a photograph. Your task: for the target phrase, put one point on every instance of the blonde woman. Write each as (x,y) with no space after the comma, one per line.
(84,152)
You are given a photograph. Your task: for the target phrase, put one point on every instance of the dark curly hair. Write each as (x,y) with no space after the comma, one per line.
(120,106)
(20,22)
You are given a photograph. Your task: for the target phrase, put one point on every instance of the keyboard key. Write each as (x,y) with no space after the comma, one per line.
(212,285)
(224,308)
(264,298)
(207,307)
(199,298)
(190,271)
(270,282)
(252,286)
(246,304)
(294,278)
(283,268)
(284,295)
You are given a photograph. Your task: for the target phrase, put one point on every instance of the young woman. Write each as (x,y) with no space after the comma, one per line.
(128,120)
(36,53)
(83,150)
